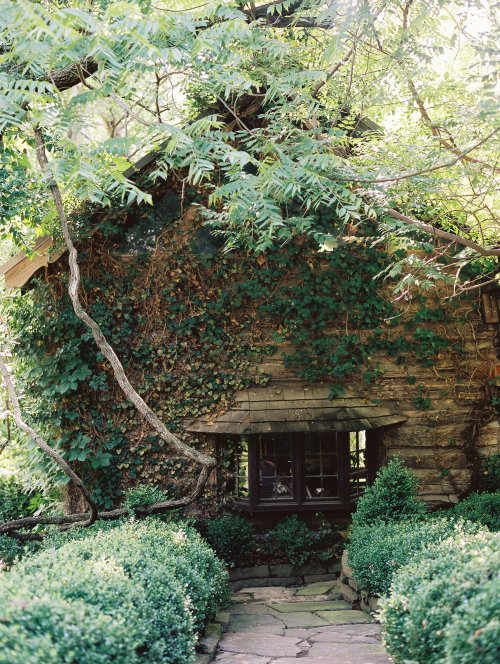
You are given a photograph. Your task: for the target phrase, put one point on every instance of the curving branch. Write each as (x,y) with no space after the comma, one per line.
(88,519)
(101,341)
(11,528)
(444,235)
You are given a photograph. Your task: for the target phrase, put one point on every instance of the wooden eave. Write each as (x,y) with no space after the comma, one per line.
(19,269)
(303,408)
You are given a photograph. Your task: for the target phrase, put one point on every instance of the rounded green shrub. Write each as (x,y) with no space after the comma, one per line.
(429,592)
(392,497)
(473,635)
(232,538)
(489,476)
(483,508)
(144,494)
(378,551)
(50,630)
(161,581)
(292,538)
(10,549)
(299,543)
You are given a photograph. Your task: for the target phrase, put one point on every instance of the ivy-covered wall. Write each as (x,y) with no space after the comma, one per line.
(193,326)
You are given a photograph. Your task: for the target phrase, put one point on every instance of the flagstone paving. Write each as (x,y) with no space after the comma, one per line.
(279,625)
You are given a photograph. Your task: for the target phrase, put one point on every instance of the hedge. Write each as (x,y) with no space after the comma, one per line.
(473,635)
(482,508)
(434,592)
(153,585)
(378,551)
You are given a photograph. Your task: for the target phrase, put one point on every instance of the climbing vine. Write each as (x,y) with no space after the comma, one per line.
(191,324)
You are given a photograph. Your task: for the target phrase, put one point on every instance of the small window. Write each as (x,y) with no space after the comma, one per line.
(310,471)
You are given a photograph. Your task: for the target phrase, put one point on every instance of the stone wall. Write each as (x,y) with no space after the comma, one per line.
(283,575)
(349,590)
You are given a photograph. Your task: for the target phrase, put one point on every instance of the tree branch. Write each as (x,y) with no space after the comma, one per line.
(40,442)
(101,341)
(10,528)
(433,230)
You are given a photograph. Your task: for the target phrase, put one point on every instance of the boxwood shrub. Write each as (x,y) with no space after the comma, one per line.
(483,508)
(36,629)
(232,538)
(161,581)
(392,497)
(473,635)
(489,476)
(377,551)
(435,589)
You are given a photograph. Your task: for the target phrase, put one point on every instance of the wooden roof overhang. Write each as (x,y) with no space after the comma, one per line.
(306,408)
(19,269)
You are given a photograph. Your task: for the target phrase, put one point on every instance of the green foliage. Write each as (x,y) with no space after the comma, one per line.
(392,497)
(187,324)
(40,628)
(489,476)
(10,550)
(299,543)
(232,538)
(14,501)
(428,594)
(473,634)
(484,508)
(378,550)
(143,495)
(158,583)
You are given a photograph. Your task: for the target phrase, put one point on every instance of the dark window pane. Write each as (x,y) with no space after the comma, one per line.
(330,487)
(275,466)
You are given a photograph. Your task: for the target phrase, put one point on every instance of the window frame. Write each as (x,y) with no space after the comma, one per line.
(344,502)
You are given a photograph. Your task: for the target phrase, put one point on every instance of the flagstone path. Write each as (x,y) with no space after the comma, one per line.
(277,625)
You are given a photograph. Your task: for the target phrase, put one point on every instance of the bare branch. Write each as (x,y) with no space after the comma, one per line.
(12,527)
(40,442)
(437,232)
(101,341)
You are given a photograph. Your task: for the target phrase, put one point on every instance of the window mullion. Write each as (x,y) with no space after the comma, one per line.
(344,466)
(298,467)
(254,470)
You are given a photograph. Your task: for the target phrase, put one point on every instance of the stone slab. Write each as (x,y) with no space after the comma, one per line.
(275,593)
(319,588)
(280,571)
(202,659)
(348,617)
(277,630)
(311,578)
(241,573)
(342,651)
(342,659)
(249,608)
(347,593)
(302,619)
(231,658)
(253,619)
(222,618)
(342,637)
(323,605)
(260,644)
(249,584)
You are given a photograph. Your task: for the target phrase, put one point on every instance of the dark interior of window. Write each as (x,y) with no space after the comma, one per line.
(304,470)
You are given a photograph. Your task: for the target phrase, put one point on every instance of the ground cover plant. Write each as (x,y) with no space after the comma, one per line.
(129,593)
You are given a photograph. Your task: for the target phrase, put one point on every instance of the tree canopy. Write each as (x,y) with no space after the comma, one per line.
(376,108)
